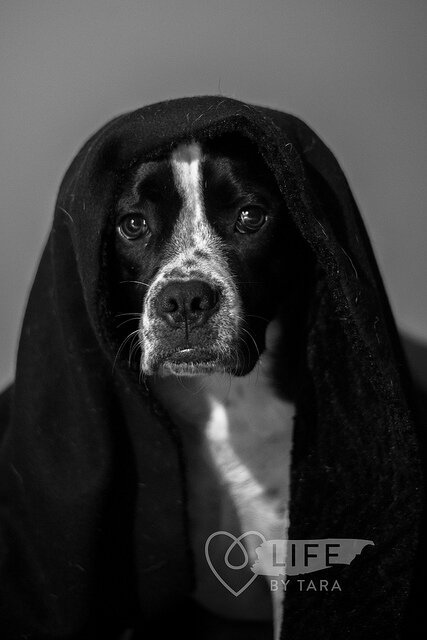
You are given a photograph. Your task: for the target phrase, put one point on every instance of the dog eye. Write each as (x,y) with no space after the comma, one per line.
(133,226)
(250,220)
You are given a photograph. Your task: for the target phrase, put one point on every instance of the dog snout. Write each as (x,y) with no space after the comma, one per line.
(188,303)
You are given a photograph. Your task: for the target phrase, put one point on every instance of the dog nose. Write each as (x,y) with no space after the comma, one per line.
(187,302)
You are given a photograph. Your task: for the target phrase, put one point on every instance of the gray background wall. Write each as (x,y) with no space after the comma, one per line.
(354,70)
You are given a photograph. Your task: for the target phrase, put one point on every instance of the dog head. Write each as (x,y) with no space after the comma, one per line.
(202,245)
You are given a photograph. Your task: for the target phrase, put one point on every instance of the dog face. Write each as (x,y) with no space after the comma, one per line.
(201,249)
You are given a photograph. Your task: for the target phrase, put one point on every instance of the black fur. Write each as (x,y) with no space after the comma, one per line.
(273,258)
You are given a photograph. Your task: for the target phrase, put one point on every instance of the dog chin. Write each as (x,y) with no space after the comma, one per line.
(188,369)
(195,362)
(188,362)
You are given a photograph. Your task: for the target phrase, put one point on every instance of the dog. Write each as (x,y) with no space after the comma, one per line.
(205,267)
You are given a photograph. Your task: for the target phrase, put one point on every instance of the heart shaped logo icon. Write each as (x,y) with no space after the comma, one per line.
(235,542)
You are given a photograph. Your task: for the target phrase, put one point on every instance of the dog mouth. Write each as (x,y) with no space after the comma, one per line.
(189,362)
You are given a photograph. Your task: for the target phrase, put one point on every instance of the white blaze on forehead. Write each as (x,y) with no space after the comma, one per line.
(194,251)
(193,234)
(187,170)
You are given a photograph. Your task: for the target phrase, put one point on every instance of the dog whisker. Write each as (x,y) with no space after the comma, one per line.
(136,315)
(252,315)
(142,378)
(122,346)
(253,340)
(135,344)
(145,284)
(125,321)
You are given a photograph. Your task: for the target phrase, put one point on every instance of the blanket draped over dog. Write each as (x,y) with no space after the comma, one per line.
(93,523)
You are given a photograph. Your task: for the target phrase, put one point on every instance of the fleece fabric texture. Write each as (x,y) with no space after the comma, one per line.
(93,529)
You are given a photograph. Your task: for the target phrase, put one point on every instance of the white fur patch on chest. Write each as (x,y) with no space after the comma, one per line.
(249,438)
(237,435)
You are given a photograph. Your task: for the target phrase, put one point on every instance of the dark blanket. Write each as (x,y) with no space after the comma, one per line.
(93,530)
